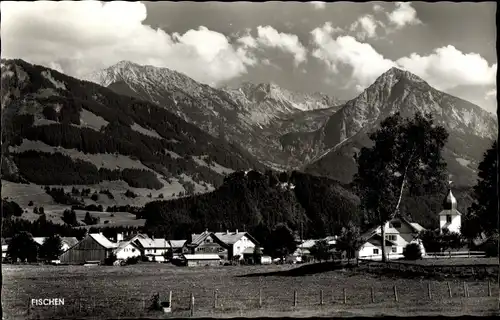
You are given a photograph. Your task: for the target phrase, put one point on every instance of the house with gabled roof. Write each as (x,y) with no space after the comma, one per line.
(399,232)
(93,248)
(228,245)
(154,249)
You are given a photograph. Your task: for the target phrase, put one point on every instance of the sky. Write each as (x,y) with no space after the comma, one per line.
(338,48)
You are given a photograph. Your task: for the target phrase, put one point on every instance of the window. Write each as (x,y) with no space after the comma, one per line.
(375,251)
(394,249)
(391,237)
(395,224)
(448,218)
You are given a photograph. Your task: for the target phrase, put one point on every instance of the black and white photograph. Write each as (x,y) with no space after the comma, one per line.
(249,159)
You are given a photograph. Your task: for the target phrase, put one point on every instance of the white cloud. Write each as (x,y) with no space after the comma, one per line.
(78,37)
(367,26)
(366,63)
(403,14)
(492,94)
(377,8)
(269,37)
(448,67)
(318,4)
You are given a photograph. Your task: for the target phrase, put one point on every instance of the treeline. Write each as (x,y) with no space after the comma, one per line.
(56,168)
(257,202)
(126,208)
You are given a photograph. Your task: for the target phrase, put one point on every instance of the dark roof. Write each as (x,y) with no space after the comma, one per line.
(376,240)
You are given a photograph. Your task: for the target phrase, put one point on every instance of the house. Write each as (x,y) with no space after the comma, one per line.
(5,247)
(399,232)
(126,250)
(206,243)
(228,245)
(450,218)
(176,247)
(236,243)
(154,249)
(197,260)
(93,248)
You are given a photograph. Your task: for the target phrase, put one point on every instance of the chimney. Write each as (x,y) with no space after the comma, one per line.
(227,231)
(119,237)
(236,231)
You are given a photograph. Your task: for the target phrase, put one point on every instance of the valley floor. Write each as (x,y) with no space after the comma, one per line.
(112,292)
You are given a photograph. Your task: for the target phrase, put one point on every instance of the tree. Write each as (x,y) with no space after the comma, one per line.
(35,210)
(350,240)
(405,158)
(69,217)
(257,254)
(30,204)
(450,240)
(51,248)
(10,208)
(412,251)
(89,219)
(320,250)
(482,214)
(41,210)
(282,241)
(431,240)
(22,247)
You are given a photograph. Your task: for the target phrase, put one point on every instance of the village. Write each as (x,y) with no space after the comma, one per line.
(240,247)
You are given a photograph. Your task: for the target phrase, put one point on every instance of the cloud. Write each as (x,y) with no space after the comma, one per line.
(377,8)
(367,26)
(268,37)
(366,63)
(79,37)
(318,4)
(403,15)
(448,67)
(492,94)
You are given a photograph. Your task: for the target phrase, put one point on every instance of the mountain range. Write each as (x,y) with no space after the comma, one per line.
(142,132)
(315,133)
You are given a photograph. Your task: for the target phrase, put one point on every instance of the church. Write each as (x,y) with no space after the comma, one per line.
(450,218)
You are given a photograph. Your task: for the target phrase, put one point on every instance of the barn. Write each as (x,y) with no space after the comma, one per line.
(202,260)
(93,248)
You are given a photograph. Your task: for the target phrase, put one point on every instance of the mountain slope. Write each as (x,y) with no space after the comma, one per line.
(57,130)
(332,146)
(253,115)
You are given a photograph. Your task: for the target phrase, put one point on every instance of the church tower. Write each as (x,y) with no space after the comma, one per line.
(450,218)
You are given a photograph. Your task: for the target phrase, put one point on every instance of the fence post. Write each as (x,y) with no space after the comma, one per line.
(215,298)
(321,297)
(372,294)
(449,289)
(345,296)
(29,306)
(489,288)
(192,305)
(395,294)
(260,298)
(465,290)
(429,290)
(170,299)
(295,298)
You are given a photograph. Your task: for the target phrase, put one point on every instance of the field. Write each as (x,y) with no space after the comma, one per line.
(121,292)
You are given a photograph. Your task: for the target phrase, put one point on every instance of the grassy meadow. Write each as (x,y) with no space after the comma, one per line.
(102,292)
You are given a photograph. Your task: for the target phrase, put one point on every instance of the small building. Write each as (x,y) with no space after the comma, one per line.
(154,249)
(450,218)
(93,248)
(176,247)
(202,260)
(236,243)
(399,232)
(206,243)
(5,247)
(126,250)
(266,260)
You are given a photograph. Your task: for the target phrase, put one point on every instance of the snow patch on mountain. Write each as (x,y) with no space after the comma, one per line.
(57,84)
(144,131)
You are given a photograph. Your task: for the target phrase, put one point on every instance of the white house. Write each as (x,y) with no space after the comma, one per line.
(399,232)
(126,249)
(237,242)
(155,249)
(450,218)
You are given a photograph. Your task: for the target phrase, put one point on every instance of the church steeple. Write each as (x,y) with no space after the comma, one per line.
(450,202)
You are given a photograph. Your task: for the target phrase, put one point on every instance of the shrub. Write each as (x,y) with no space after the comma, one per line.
(110,259)
(412,252)
(132,260)
(130,194)
(491,248)
(154,304)
(94,197)
(30,204)
(160,196)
